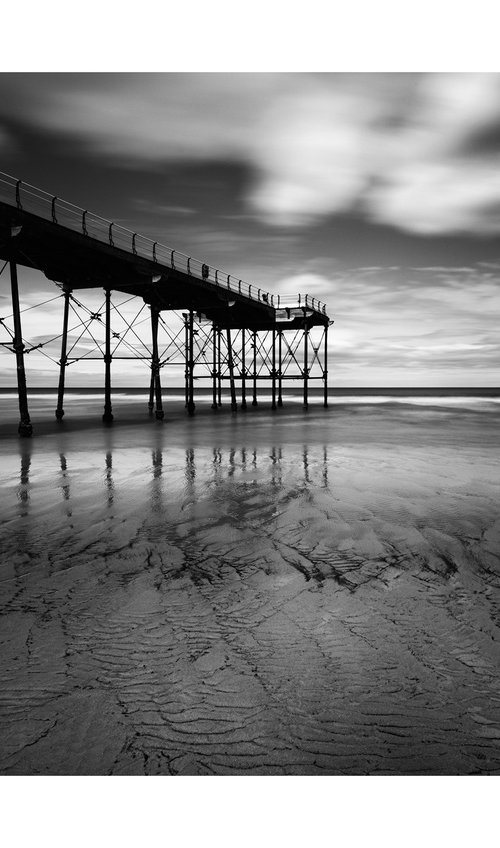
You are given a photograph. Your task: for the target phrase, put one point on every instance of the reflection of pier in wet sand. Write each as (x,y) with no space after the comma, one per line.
(247,606)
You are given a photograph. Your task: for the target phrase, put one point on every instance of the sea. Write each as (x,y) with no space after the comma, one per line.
(425,396)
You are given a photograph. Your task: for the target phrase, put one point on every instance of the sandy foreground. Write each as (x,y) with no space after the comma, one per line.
(261,593)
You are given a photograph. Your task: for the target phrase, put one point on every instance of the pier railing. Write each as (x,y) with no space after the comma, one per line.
(28,198)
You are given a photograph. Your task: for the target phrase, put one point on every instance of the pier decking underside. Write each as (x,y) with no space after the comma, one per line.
(232,331)
(80,262)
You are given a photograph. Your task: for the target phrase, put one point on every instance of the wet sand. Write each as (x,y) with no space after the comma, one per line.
(262,593)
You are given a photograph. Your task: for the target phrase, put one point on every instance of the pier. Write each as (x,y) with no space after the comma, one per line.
(223,330)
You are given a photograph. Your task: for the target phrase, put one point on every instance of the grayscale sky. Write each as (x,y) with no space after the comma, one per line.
(377,193)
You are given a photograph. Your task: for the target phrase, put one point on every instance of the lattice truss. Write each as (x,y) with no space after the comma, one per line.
(251,354)
(85,341)
(8,340)
(120,327)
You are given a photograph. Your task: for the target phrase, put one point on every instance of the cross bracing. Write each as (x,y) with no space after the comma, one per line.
(185,312)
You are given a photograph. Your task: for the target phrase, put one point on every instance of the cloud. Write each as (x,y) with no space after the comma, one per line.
(404,149)
(424,325)
(395,148)
(5,140)
(145,205)
(141,117)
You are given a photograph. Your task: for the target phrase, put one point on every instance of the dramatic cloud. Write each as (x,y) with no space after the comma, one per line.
(417,151)
(377,194)
(411,322)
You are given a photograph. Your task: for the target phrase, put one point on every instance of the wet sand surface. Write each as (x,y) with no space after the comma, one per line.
(261,593)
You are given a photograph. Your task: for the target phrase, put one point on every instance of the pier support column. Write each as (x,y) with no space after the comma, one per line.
(273,372)
(234,405)
(325,369)
(243,372)
(214,367)
(25,426)
(108,415)
(306,363)
(151,402)
(219,371)
(280,371)
(64,359)
(190,368)
(254,346)
(155,364)
(186,358)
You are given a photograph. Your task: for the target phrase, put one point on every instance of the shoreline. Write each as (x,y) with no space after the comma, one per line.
(477,424)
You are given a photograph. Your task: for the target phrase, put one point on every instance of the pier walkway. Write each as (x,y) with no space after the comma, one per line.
(78,250)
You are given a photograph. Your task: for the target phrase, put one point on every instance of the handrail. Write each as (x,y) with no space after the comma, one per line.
(28,198)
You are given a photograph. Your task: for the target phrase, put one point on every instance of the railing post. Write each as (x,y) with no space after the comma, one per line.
(25,426)
(18,195)
(108,415)
(64,359)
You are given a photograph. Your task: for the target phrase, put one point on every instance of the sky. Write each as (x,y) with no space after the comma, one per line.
(378,193)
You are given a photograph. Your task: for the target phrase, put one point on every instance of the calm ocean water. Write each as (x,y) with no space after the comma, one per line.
(424,396)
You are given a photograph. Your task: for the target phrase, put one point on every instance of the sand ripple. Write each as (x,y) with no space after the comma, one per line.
(271,608)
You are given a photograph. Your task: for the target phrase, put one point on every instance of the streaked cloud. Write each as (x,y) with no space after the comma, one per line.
(408,150)
(361,190)
(408,322)
(142,204)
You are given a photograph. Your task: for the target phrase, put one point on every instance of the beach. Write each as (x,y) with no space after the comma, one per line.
(262,593)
